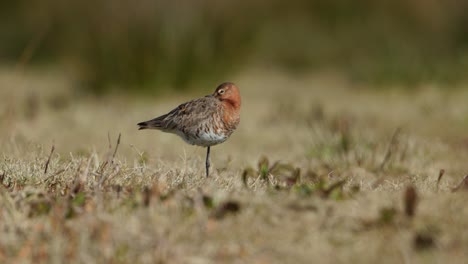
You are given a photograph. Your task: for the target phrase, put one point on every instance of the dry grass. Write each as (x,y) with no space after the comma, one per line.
(338,192)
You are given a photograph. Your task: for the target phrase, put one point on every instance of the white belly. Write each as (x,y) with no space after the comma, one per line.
(204,139)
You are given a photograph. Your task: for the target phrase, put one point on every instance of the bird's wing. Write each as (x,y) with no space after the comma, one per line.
(185,116)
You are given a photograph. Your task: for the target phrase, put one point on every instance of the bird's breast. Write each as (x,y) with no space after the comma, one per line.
(231,117)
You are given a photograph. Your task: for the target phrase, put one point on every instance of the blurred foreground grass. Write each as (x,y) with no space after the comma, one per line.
(316,172)
(155,45)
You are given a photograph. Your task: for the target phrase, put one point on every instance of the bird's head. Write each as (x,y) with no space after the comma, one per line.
(229,93)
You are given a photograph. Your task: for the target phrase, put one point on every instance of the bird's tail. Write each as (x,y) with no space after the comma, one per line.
(151,124)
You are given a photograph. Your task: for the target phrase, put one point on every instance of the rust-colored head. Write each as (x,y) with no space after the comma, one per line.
(229,93)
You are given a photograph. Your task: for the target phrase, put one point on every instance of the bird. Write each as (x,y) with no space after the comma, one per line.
(206,121)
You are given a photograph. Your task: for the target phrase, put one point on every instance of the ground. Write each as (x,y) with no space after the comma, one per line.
(320,170)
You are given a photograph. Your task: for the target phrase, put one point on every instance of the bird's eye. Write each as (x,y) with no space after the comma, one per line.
(221,91)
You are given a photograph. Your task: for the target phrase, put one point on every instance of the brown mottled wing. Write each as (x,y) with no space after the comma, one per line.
(186,117)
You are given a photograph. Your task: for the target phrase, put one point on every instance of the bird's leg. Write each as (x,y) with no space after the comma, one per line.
(207,161)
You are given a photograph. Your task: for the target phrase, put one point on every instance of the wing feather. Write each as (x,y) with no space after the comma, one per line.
(187,116)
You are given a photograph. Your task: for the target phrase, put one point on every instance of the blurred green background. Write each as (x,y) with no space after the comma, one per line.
(148,45)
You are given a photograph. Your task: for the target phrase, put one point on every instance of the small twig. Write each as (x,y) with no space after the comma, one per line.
(104,165)
(48,160)
(109,141)
(56,173)
(2,176)
(139,153)
(103,178)
(392,143)
(410,200)
(462,184)
(147,193)
(75,182)
(116,148)
(51,176)
(334,186)
(441,173)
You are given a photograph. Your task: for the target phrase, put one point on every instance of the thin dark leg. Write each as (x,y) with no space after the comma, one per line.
(207,161)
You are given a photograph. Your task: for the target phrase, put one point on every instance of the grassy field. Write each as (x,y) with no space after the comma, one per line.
(320,171)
